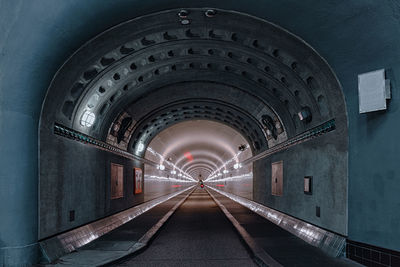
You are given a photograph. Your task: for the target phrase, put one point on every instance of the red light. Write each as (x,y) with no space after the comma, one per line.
(176,185)
(220,185)
(188,156)
(202,186)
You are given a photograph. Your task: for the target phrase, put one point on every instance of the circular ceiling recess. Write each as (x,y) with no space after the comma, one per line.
(188,64)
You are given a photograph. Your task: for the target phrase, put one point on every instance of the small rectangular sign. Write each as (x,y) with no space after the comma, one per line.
(138,180)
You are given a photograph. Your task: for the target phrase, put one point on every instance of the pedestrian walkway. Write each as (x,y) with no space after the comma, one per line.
(198,234)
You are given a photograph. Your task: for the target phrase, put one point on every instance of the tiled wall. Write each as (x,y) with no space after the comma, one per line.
(372,256)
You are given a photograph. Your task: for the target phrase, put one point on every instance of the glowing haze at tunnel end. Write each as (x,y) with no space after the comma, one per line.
(199,150)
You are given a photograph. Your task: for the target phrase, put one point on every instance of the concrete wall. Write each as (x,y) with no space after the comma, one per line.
(324,158)
(242,187)
(357,37)
(326,162)
(374,175)
(75,176)
(241,184)
(157,187)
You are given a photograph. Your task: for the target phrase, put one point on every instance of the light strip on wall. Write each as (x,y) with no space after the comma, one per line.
(69,133)
(172,165)
(301,138)
(226,163)
(165,179)
(233,178)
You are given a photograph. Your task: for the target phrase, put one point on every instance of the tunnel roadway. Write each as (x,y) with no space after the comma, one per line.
(199,227)
(199,234)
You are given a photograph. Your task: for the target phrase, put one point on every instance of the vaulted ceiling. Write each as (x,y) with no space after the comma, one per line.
(147,74)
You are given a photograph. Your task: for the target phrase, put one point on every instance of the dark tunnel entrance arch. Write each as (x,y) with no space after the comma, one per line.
(265,82)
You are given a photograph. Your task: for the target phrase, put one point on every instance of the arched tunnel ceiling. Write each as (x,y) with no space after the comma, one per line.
(193,65)
(199,108)
(199,146)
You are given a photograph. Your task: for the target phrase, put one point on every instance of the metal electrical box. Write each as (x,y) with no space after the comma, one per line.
(117,181)
(373,90)
(277,178)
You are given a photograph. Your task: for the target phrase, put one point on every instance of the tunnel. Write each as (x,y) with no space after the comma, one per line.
(198,136)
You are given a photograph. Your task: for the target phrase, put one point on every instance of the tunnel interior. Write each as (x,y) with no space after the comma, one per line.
(204,150)
(170,96)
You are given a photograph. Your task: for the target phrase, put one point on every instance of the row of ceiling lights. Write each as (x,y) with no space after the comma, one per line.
(237,165)
(237,177)
(88,119)
(162,167)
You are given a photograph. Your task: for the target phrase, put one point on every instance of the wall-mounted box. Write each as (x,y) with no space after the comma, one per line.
(117,181)
(318,211)
(308,185)
(373,91)
(72,215)
(277,178)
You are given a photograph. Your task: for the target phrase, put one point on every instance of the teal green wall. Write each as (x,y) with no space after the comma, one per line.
(353,36)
